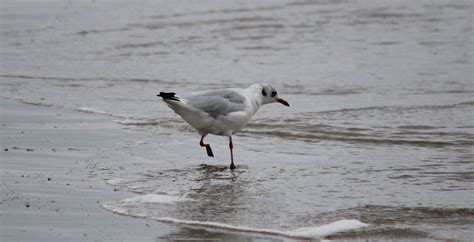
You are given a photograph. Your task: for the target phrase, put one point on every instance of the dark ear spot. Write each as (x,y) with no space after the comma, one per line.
(264,93)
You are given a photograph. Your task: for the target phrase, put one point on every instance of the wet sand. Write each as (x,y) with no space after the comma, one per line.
(53,186)
(49,191)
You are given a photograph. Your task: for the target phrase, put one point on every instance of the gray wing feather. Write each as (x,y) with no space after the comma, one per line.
(218,103)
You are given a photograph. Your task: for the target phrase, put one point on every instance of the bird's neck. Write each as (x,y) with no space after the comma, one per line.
(255,102)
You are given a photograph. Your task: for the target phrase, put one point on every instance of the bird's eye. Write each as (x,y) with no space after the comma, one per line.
(274,93)
(264,93)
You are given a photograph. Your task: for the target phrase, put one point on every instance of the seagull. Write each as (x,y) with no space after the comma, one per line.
(221,112)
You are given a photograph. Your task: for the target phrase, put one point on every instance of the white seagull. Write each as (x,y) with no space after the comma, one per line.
(221,112)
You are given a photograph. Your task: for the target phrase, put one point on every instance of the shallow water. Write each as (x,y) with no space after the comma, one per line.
(379,129)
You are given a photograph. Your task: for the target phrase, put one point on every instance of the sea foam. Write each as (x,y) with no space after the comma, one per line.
(122,207)
(116,181)
(91,110)
(306,232)
(154,198)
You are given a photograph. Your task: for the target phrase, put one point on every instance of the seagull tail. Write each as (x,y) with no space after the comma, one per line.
(168,95)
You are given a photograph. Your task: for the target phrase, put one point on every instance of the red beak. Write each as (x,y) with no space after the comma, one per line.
(283,102)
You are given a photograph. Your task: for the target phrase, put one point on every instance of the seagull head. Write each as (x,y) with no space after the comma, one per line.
(268,94)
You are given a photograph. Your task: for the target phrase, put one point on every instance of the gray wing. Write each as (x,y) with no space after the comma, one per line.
(217,102)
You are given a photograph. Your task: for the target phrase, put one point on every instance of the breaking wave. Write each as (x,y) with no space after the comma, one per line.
(123,207)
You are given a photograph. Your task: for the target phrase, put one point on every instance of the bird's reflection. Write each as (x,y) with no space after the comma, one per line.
(209,172)
(219,194)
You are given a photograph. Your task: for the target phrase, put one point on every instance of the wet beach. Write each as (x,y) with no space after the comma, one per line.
(377,144)
(50,189)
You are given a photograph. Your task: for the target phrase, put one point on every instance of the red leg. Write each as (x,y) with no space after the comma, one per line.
(231,146)
(208,147)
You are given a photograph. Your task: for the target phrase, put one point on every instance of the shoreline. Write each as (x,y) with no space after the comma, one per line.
(47,193)
(50,188)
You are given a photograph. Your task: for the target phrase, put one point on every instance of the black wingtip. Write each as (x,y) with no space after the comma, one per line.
(168,95)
